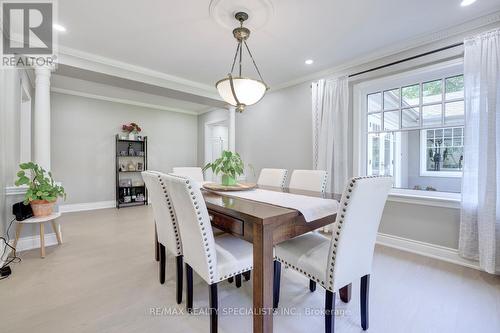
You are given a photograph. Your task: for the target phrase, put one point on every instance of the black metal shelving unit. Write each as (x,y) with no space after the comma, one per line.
(133,195)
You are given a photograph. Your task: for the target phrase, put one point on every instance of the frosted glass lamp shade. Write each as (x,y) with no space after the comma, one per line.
(247,91)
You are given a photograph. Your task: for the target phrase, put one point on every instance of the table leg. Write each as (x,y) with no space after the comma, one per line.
(42,240)
(263,278)
(56,231)
(19,227)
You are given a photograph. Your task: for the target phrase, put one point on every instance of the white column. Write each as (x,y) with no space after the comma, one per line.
(42,117)
(232,128)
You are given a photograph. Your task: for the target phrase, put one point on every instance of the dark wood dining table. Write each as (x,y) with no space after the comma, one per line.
(264,225)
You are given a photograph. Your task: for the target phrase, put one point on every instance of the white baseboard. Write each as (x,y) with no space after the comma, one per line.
(86,206)
(425,249)
(33,242)
(29,243)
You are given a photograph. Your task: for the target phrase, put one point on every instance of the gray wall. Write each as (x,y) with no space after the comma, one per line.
(83,143)
(277,132)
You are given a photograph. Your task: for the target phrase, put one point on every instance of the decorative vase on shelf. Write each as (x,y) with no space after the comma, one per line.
(131,136)
(227,180)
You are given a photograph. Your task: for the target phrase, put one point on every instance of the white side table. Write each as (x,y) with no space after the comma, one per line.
(40,220)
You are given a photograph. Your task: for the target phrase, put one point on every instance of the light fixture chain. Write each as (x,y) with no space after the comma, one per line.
(251,57)
(241,55)
(235,56)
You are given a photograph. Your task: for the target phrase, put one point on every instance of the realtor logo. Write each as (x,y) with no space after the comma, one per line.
(27,33)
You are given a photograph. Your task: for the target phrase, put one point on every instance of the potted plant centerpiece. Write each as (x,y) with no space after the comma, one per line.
(132,129)
(42,191)
(229,165)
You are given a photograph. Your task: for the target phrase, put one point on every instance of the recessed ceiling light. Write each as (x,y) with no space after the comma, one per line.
(59,27)
(465,3)
(309,62)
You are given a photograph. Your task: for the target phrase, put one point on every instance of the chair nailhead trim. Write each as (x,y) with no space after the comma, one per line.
(345,199)
(300,270)
(172,216)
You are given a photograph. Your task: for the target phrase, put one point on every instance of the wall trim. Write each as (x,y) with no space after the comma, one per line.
(120,100)
(100,64)
(33,242)
(380,56)
(15,190)
(29,243)
(79,207)
(425,249)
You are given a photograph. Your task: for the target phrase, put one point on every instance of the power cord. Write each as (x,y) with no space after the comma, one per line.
(10,259)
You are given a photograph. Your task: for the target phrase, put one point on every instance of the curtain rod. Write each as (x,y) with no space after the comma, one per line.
(407,59)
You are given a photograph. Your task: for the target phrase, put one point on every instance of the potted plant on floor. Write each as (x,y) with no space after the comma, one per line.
(42,191)
(229,165)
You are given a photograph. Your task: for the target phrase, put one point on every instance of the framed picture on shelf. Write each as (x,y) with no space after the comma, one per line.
(140,166)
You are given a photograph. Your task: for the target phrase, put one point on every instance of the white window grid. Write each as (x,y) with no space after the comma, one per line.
(420,106)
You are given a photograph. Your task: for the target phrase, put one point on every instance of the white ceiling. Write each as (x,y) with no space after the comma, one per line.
(180,38)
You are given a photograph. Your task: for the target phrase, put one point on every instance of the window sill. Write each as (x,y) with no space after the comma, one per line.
(426,198)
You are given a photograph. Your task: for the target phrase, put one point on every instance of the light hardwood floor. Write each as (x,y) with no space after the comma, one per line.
(104,279)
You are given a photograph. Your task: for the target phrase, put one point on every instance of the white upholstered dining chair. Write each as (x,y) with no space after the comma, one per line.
(272,177)
(214,259)
(193,173)
(337,261)
(308,180)
(166,226)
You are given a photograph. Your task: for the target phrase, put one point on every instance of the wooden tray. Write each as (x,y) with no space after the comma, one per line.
(237,187)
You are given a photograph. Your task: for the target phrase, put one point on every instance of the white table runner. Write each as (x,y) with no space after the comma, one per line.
(311,207)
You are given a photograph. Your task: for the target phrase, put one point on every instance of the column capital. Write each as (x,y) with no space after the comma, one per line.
(43,70)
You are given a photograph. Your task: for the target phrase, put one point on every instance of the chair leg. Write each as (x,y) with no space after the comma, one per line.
(276,284)
(365,291)
(189,288)
(157,246)
(214,307)
(230,280)
(163,261)
(345,293)
(330,312)
(180,271)
(238,280)
(312,285)
(247,275)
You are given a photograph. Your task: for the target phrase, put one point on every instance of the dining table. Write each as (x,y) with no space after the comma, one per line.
(264,225)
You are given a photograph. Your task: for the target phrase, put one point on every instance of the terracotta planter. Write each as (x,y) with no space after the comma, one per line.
(42,207)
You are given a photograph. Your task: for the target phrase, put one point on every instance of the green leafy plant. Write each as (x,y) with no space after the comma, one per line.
(41,185)
(229,165)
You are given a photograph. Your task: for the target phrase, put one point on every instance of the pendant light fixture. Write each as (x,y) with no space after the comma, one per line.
(241,91)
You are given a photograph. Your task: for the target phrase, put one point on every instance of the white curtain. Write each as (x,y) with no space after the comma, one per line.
(480,213)
(330,102)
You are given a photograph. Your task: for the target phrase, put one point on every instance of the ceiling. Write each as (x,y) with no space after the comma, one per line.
(181,38)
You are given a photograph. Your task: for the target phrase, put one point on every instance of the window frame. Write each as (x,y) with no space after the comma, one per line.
(421,75)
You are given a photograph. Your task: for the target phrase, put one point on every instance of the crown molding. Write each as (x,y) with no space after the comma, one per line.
(121,100)
(453,34)
(92,62)
(210,109)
